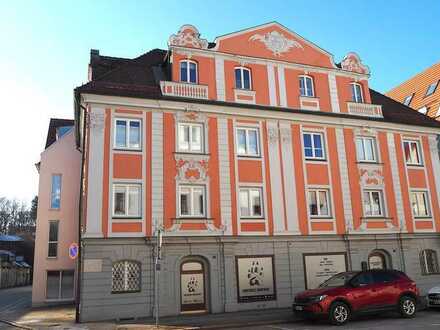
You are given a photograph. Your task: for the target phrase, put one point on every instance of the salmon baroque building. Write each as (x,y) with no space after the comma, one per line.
(267,166)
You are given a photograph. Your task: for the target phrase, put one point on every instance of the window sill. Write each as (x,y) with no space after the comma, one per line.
(253,218)
(126,218)
(54,209)
(321,218)
(415,165)
(52,258)
(323,160)
(192,218)
(126,292)
(191,153)
(428,217)
(377,218)
(366,162)
(249,156)
(128,149)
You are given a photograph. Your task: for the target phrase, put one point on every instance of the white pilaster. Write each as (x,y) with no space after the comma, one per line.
(289,178)
(435,160)
(343,168)
(333,92)
(157,169)
(220,77)
(275,177)
(224,171)
(272,86)
(282,86)
(396,181)
(96,124)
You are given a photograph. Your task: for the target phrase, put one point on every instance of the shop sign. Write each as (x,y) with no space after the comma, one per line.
(193,290)
(320,267)
(255,278)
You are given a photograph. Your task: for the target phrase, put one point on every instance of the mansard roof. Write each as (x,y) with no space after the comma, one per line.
(140,78)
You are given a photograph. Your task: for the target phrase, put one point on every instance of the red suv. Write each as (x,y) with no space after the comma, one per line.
(350,293)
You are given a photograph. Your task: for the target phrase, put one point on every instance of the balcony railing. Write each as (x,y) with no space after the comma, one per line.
(193,91)
(365,109)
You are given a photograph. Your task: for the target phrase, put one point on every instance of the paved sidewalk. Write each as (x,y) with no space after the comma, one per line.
(62,318)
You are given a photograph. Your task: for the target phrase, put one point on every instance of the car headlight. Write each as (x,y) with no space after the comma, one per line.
(318,298)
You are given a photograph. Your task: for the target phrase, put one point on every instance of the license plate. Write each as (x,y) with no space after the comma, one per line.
(299,308)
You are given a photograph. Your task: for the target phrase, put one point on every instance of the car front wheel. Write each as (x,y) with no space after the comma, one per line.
(408,307)
(339,313)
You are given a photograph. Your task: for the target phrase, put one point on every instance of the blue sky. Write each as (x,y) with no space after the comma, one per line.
(45,49)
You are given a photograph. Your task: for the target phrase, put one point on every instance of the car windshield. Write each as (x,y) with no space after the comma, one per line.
(340,279)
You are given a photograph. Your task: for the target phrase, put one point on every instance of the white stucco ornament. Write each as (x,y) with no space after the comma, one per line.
(276,42)
(188,36)
(353,63)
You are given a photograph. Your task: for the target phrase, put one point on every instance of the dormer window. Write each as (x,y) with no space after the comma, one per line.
(306,86)
(356,93)
(407,100)
(431,88)
(188,71)
(242,78)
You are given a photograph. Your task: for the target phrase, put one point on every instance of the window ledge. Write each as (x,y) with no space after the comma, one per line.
(191,153)
(248,157)
(252,218)
(127,149)
(363,162)
(323,160)
(126,218)
(415,165)
(428,217)
(377,218)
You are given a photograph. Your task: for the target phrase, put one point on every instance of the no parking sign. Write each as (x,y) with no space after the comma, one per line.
(73,251)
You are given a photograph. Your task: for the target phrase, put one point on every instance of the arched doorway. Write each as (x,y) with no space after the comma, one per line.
(193,297)
(379,260)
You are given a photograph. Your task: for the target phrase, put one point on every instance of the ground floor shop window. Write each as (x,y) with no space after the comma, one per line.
(60,284)
(429,262)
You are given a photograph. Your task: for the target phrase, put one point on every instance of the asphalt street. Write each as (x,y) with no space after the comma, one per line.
(14,302)
(427,320)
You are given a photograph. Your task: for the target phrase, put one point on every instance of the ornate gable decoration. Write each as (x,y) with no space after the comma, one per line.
(276,42)
(188,36)
(353,63)
(191,169)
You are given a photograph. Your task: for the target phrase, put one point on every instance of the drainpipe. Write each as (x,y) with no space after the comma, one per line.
(78,272)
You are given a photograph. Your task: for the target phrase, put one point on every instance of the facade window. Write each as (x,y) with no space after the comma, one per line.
(188,72)
(126,276)
(242,78)
(192,201)
(366,149)
(306,86)
(55,196)
(373,203)
(356,93)
(251,202)
(60,284)
(128,134)
(248,141)
(431,88)
(429,262)
(407,100)
(420,204)
(314,146)
(127,200)
(190,137)
(52,251)
(412,152)
(319,205)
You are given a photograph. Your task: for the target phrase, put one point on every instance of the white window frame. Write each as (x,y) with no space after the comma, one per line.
(327,196)
(381,205)
(354,93)
(419,152)
(242,68)
(427,203)
(202,137)
(52,193)
(375,154)
(250,203)
(304,78)
(191,214)
(49,242)
(126,187)
(247,130)
(188,70)
(127,134)
(314,157)
(424,259)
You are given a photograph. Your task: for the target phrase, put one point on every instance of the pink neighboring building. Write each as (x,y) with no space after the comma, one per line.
(57,217)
